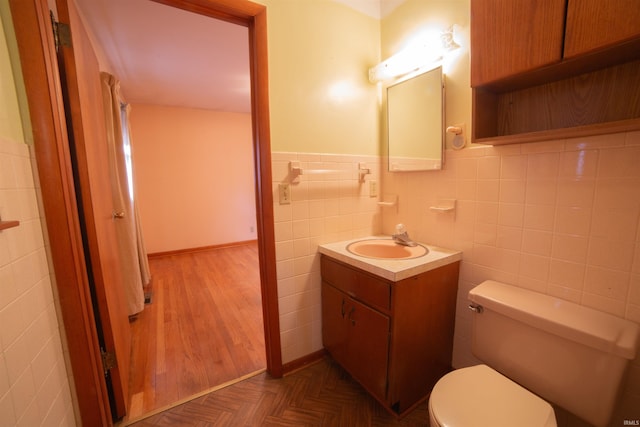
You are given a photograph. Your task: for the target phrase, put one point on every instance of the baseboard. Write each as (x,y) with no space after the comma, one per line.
(200,249)
(303,362)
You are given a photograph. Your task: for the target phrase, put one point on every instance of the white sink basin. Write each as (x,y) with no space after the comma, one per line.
(386,249)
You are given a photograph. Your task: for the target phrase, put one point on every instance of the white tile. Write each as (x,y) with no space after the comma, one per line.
(578,164)
(612,254)
(513,167)
(284,250)
(570,248)
(537,242)
(567,274)
(608,283)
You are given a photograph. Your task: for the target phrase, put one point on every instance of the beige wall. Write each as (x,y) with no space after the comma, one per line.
(560,217)
(34,389)
(324,113)
(320,97)
(194,176)
(411,19)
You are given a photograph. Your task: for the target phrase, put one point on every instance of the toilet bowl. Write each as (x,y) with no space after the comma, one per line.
(480,396)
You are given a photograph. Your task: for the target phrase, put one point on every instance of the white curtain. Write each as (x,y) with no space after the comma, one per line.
(133,255)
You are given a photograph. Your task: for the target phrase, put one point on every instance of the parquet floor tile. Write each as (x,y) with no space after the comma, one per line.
(322,394)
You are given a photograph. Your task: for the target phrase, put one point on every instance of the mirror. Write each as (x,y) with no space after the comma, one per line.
(415,114)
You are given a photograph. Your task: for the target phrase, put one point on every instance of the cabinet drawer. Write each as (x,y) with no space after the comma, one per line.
(357,284)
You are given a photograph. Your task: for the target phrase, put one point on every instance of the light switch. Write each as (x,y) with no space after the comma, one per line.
(284,194)
(373,188)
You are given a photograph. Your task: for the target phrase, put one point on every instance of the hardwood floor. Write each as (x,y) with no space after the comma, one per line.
(319,395)
(202,328)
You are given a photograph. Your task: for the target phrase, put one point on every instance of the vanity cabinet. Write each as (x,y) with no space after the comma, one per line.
(554,69)
(394,338)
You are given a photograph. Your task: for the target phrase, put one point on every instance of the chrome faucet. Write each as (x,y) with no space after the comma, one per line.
(401,237)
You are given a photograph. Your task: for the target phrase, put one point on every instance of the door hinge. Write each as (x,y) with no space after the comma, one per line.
(61,33)
(109,360)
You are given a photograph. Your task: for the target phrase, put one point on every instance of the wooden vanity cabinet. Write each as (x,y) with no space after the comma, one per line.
(394,338)
(553,69)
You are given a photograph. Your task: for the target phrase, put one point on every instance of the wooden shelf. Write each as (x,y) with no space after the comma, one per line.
(8,224)
(564,133)
(563,69)
(598,102)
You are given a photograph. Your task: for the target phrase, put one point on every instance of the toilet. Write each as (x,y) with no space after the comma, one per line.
(536,350)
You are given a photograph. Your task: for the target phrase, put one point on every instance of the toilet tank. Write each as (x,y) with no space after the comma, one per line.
(570,355)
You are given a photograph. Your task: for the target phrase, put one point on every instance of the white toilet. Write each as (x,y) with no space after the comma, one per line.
(537,349)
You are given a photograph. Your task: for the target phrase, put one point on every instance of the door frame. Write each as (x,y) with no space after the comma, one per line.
(51,148)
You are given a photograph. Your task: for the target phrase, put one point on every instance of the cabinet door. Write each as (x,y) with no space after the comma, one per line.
(513,36)
(595,24)
(334,326)
(368,353)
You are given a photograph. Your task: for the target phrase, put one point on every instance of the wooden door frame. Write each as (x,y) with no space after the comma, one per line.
(51,148)
(254,17)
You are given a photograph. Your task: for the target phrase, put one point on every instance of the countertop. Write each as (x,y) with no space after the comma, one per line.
(391,269)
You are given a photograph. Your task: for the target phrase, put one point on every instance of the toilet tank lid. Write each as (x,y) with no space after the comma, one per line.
(585,325)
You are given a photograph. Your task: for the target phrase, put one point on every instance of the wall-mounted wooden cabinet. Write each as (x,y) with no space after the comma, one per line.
(513,37)
(599,24)
(554,69)
(395,338)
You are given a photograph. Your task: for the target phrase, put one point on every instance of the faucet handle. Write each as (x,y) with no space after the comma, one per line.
(400,228)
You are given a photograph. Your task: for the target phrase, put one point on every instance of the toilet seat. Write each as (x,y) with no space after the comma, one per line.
(478,396)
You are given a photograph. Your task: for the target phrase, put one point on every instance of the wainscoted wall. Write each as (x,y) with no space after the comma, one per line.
(324,208)
(559,217)
(34,388)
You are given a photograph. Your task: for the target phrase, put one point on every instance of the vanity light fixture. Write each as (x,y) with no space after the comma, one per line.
(423,54)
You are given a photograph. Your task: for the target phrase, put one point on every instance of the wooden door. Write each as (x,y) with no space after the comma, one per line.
(368,347)
(510,37)
(597,24)
(334,330)
(80,74)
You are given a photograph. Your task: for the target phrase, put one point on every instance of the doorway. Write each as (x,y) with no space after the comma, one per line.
(170,144)
(58,196)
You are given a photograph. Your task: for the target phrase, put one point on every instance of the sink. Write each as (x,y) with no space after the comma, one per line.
(385,249)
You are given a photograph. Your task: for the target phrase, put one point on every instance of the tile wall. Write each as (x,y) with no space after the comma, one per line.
(559,217)
(34,389)
(326,207)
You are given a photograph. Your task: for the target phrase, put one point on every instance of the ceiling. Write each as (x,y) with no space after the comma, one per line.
(166,56)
